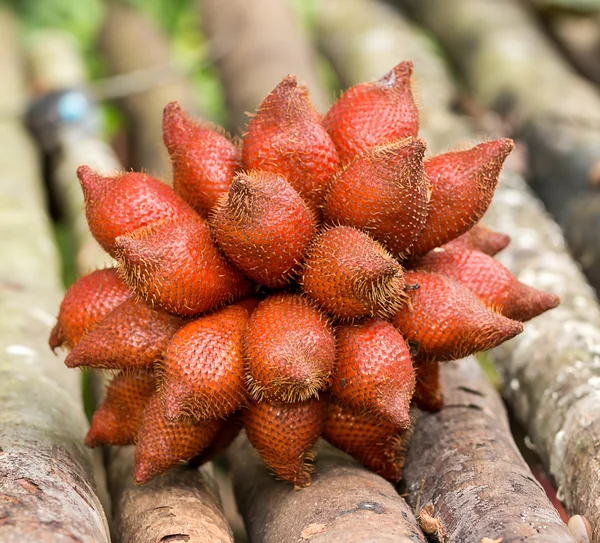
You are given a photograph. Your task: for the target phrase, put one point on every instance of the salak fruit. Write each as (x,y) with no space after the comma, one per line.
(306,283)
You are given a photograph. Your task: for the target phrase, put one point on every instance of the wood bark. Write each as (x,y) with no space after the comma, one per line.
(256,44)
(464,461)
(344,503)
(551,371)
(46,481)
(512,67)
(180,506)
(132,44)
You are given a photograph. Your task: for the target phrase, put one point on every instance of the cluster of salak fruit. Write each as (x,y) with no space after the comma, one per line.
(305,283)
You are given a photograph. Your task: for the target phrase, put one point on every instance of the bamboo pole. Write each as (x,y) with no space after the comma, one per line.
(190,496)
(551,370)
(256,44)
(47,490)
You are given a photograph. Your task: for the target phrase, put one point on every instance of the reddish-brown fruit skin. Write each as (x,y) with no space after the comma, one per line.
(371,114)
(481,239)
(383,192)
(85,304)
(284,434)
(444,320)
(462,186)
(117,419)
(428,390)
(163,444)
(351,275)
(286,137)
(490,281)
(374,371)
(289,348)
(204,160)
(116,206)
(374,442)
(263,226)
(202,373)
(131,336)
(178,267)
(225,436)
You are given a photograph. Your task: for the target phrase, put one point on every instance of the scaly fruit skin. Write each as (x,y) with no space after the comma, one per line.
(85,304)
(163,444)
(118,205)
(131,336)
(118,418)
(204,160)
(375,443)
(444,320)
(286,136)
(462,186)
(374,372)
(428,391)
(264,227)
(480,238)
(178,267)
(289,348)
(202,373)
(351,275)
(284,435)
(382,191)
(272,359)
(493,284)
(372,114)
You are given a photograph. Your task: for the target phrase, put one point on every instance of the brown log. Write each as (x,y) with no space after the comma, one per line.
(512,67)
(181,505)
(189,496)
(579,36)
(46,486)
(256,44)
(551,370)
(133,44)
(344,502)
(464,461)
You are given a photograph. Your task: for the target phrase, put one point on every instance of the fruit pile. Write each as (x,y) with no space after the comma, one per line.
(305,283)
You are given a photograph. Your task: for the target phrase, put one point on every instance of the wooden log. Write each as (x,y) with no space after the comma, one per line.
(344,502)
(551,370)
(46,489)
(189,496)
(132,44)
(256,44)
(464,461)
(531,84)
(579,36)
(181,505)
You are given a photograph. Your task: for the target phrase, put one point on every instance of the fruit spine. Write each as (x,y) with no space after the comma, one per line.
(306,284)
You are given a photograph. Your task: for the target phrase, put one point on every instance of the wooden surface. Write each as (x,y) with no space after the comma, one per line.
(46,485)
(345,503)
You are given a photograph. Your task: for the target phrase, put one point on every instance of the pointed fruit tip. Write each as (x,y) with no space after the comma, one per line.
(73,360)
(87,178)
(142,472)
(529,302)
(54,341)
